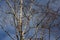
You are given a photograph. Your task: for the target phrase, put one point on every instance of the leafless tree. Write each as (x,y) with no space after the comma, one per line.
(31,19)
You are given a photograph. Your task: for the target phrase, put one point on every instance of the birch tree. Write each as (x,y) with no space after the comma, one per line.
(31,19)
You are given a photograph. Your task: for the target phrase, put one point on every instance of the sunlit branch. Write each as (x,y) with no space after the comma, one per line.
(7,1)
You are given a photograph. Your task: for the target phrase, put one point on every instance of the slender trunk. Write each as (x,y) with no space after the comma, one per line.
(49,33)
(20,21)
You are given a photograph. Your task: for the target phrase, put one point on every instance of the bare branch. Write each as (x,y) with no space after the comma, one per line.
(57,38)
(7,1)
(7,32)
